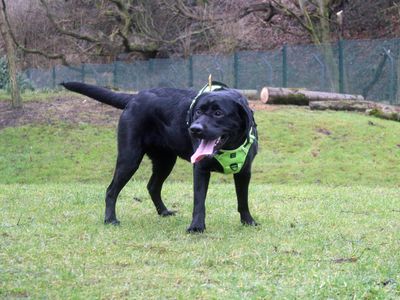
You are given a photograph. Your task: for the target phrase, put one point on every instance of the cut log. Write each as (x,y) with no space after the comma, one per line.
(273,95)
(376,109)
(388,115)
(349,105)
(249,94)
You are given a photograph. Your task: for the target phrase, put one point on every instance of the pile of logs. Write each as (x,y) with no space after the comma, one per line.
(332,101)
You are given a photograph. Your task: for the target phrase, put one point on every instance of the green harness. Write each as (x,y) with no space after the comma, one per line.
(231,161)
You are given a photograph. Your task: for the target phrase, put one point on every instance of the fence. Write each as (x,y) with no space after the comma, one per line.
(369,68)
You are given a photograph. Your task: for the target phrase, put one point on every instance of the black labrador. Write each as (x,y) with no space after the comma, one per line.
(214,129)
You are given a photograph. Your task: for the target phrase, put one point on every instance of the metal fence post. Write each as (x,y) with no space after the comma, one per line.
(83,73)
(150,69)
(284,66)
(190,70)
(392,81)
(341,66)
(115,74)
(235,70)
(29,75)
(53,75)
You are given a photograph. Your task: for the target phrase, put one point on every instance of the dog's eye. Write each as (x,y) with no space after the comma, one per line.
(198,112)
(218,113)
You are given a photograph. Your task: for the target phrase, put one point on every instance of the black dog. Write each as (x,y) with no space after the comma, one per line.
(214,129)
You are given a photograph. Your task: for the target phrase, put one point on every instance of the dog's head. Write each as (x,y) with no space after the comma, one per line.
(219,120)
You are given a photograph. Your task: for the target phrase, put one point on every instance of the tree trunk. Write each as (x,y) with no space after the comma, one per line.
(272,95)
(11,57)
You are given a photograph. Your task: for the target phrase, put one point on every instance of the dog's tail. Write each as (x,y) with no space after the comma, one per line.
(118,100)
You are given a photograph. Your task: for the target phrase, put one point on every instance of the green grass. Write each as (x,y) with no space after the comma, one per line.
(325,189)
(314,242)
(297,146)
(336,148)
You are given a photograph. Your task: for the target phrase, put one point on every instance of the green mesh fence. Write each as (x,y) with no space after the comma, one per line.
(369,68)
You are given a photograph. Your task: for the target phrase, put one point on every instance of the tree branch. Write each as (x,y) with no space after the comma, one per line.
(124,12)
(30,50)
(259,7)
(182,9)
(65,31)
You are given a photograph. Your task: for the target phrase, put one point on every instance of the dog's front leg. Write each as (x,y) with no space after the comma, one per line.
(242,181)
(201,178)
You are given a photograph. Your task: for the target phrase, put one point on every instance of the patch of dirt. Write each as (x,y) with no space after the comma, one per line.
(324,131)
(72,109)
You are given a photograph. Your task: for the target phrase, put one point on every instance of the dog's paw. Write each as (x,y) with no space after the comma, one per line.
(196,228)
(114,222)
(167,213)
(249,222)
(247,219)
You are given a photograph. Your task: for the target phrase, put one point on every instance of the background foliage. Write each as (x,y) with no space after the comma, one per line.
(100,31)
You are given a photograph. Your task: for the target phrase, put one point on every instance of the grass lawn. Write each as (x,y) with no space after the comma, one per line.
(325,190)
(314,242)
(297,146)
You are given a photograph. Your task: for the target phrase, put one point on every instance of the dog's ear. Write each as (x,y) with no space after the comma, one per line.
(245,112)
(190,112)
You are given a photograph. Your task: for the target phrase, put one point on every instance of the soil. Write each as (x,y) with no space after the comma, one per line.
(71,109)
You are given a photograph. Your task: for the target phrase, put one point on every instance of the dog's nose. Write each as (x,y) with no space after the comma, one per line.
(196,129)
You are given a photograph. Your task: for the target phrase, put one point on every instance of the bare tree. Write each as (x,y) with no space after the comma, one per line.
(125,28)
(11,58)
(316,17)
(314,20)
(77,31)
(90,29)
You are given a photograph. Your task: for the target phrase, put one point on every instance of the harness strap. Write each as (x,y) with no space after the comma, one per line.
(232,161)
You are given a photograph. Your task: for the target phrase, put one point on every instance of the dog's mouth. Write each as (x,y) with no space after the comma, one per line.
(208,148)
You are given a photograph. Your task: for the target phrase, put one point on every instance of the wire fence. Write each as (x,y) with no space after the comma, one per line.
(366,67)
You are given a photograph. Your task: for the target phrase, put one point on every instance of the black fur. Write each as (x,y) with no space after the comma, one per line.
(153,123)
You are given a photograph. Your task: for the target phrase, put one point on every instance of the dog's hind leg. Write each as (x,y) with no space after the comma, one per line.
(127,164)
(162,167)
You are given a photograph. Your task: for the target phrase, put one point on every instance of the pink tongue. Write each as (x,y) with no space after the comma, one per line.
(205,148)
